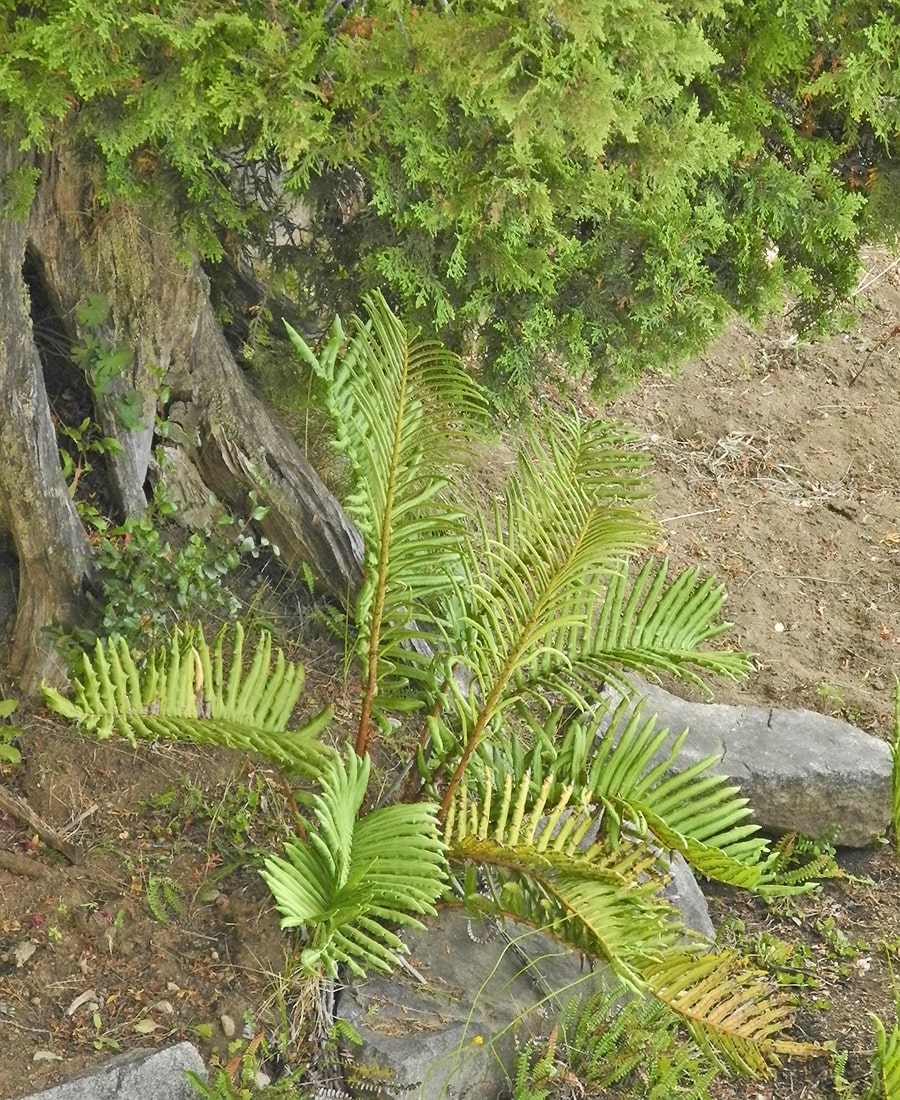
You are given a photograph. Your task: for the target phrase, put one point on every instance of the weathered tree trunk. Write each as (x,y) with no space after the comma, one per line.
(49,539)
(157,306)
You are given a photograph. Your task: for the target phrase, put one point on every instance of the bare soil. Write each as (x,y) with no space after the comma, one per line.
(777,468)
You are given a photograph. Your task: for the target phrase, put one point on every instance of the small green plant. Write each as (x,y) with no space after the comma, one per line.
(241,818)
(630,1046)
(102,1041)
(104,362)
(148,581)
(895,756)
(9,754)
(797,860)
(164,898)
(244,1076)
(837,703)
(84,440)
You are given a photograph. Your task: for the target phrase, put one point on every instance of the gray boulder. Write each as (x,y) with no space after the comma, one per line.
(802,771)
(449,1026)
(683,894)
(137,1075)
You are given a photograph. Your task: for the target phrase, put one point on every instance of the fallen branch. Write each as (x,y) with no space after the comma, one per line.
(20,810)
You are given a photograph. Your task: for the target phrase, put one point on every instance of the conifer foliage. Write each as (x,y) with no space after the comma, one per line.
(602,179)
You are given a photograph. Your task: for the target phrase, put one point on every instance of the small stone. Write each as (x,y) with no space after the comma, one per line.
(228,1026)
(23,952)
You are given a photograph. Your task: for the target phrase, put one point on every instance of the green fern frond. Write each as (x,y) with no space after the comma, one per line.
(187,692)
(605,902)
(733,1011)
(886,1061)
(625,768)
(600,907)
(599,454)
(602,902)
(652,624)
(399,405)
(547,604)
(632,1044)
(164,898)
(355,875)
(646,626)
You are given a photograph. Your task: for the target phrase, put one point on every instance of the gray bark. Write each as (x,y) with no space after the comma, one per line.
(49,540)
(179,366)
(159,308)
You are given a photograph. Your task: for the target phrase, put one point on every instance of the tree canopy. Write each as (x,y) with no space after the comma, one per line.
(601,179)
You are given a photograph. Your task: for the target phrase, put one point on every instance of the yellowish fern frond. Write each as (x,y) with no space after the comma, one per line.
(733,1010)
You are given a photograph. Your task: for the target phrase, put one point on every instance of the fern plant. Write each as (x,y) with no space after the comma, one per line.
(609,1041)
(352,876)
(539,602)
(540,797)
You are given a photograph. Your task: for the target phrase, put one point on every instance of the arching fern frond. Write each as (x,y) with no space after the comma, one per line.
(653,624)
(647,625)
(189,692)
(636,775)
(733,1011)
(355,875)
(529,588)
(626,768)
(603,903)
(549,862)
(546,602)
(399,405)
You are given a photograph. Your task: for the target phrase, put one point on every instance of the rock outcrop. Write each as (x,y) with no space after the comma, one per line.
(802,771)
